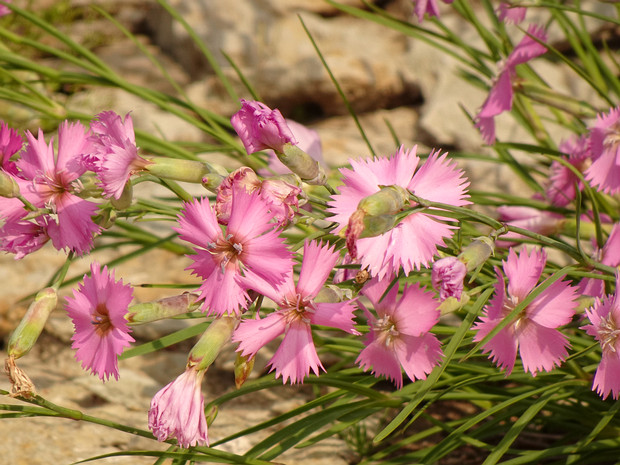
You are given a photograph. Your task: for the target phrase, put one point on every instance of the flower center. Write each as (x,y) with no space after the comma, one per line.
(297,309)
(226,251)
(101,320)
(608,333)
(612,137)
(386,331)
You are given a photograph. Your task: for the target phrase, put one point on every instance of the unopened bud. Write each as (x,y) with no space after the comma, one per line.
(124,201)
(178,169)
(302,164)
(8,186)
(333,294)
(31,325)
(476,253)
(206,350)
(211,181)
(243,368)
(160,309)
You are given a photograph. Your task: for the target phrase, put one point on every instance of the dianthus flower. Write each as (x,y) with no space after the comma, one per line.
(608,255)
(23,237)
(427,6)
(178,410)
(114,144)
(413,242)
(52,182)
(604,173)
(230,263)
(501,94)
(10,144)
(447,277)
(534,331)
(562,181)
(604,325)
(97,309)
(259,127)
(511,14)
(399,335)
(297,310)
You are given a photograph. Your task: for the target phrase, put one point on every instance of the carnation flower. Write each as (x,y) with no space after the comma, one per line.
(511,14)
(178,410)
(114,143)
(447,276)
(609,255)
(10,143)
(534,331)
(604,173)
(427,6)
(249,252)
(562,181)
(97,309)
(399,335)
(604,325)
(23,237)
(413,242)
(297,310)
(501,94)
(260,127)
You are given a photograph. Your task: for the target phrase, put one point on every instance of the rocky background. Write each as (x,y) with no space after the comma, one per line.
(387,77)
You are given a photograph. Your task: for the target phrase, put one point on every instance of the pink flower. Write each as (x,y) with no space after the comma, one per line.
(4,10)
(114,143)
(10,143)
(178,411)
(604,173)
(23,237)
(53,183)
(427,6)
(260,127)
(447,276)
(561,189)
(500,95)
(230,263)
(529,218)
(399,335)
(308,140)
(280,195)
(609,255)
(414,241)
(98,310)
(511,14)
(533,333)
(297,310)
(605,327)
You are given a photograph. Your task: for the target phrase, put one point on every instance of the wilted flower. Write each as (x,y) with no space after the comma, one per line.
(534,331)
(399,335)
(447,276)
(97,309)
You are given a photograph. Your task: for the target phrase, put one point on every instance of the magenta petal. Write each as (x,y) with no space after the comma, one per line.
(382,361)
(198,224)
(500,97)
(523,271)
(252,334)
(416,312)
(555,306)
(418,355)
(318,262)
(528,48)
(296,355)
(540,348)
(75,228)
(335,315)
(73,142)
(611,249)
(607,377)
(440,180)
(502,346)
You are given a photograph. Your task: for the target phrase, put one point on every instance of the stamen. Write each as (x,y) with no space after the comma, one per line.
(608,333)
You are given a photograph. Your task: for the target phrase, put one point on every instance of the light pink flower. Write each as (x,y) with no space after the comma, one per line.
(399,335)
(534,332)
(609,255)
(511,14)
(260,127)
(561,188)
(414,241)
(447,277)
(230,263)
(280,195)
(308,140)
(605,327)
(297,310)
(501,94)
(529,218)
(178,411)
(53,183)
(97,309)
(427,6)
(114,144)
(10,144)
(604,173)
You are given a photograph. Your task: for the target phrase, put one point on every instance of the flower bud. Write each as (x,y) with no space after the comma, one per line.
(160,309)
(31,325)
(206,350)
(243,368)
(302,164)
(476,253)
(447,277)
(124,201)
(178,169)
(8,186)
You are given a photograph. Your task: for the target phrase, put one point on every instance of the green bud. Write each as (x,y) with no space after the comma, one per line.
(478,252)
(31,325)
(160,309)
(243,368)
(178,169)
(206,350)
(302,164)
(388,201)
(8,186)
(124,202)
